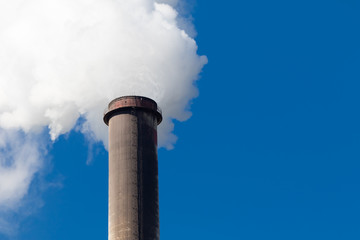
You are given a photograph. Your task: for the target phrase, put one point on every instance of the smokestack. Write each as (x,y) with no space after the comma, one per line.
(133,168)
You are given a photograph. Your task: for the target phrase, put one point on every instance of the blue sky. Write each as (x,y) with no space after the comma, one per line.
(273,146)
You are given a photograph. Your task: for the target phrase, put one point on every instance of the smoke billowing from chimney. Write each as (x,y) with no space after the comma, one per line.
(65,59)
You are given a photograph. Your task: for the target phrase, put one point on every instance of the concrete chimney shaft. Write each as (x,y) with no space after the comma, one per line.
(133,168)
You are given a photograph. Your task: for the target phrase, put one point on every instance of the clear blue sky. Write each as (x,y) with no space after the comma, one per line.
(273,147)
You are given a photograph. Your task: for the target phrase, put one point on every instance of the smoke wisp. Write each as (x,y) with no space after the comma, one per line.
(65,59)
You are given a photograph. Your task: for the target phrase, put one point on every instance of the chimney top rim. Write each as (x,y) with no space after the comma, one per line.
(135,102)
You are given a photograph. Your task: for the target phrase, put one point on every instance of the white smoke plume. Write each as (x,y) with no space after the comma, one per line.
(65,59)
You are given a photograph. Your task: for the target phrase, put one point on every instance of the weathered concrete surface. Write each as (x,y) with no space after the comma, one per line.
(133,172)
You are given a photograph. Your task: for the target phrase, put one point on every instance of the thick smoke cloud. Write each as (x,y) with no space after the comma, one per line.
(65,59)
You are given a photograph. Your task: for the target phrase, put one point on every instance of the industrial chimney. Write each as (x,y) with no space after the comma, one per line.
(133,168)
